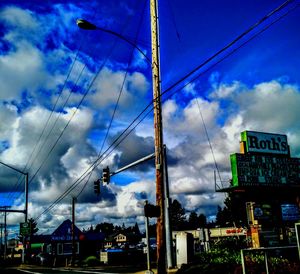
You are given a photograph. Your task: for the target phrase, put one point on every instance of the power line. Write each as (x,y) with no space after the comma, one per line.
(239,37)
(93,166)
(117,103)
(91,84)
(102,157)
(225,56)
(208,140)
(41,146)
(37,143)
(77,107)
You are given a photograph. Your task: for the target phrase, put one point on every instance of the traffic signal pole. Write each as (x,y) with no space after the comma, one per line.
(73,231)
(158,138)
(169,240)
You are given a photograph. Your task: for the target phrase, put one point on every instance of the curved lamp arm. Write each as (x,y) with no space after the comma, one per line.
(84,24)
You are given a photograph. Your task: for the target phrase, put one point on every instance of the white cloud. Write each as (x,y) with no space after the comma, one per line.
(21,70)
(225,90)
(16,17)
(109,83)
(32,66)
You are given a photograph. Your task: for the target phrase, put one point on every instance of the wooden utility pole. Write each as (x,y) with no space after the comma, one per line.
(158,138)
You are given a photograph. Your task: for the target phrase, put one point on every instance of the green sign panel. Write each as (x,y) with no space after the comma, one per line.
(264,170)
(25,229)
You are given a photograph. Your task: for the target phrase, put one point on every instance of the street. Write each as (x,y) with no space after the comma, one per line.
(49,271)
(44,270)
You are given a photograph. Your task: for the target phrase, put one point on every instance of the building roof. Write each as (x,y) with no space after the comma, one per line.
(64,232)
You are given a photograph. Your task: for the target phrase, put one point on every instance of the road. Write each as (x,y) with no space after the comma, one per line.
(32,269)
(47,271)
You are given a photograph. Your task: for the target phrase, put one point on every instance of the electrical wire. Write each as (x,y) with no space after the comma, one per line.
(117,142)
(239,37)
(117,103)
(222,59)
(208,140)
(37,143)
(73,114)
(173,20)
(104,155)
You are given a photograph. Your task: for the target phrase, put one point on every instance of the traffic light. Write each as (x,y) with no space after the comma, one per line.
(97,186)
(151,211)
(106,175)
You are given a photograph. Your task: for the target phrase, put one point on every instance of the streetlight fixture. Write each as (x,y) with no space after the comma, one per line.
(158,128)
(86,25)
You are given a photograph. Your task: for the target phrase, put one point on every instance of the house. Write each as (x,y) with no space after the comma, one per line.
(59,243)
(121,240)
(62,237)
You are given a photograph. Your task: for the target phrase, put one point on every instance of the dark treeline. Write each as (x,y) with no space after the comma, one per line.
(229,215)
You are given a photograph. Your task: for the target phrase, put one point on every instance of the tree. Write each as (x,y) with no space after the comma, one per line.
(223,216)
(202,220)
(231,214)
(106,228)
(193,221)
(177,216)
(136,229)
(196,221)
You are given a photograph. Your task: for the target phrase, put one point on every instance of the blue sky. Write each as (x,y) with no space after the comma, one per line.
(47,63)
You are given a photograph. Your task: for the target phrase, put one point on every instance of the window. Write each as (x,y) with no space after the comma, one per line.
(66,248)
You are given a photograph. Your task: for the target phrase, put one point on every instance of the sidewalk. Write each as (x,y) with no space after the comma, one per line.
(126,269)
(169,271)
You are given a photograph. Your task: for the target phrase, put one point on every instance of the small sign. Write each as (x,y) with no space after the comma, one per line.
(25,229)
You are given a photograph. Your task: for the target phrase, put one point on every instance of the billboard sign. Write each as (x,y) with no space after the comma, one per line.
(25,229)
(264,170)
(262,211)
(260,142)
(227,232)
(290,212)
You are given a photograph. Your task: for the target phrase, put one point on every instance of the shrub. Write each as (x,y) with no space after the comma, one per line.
(91,261)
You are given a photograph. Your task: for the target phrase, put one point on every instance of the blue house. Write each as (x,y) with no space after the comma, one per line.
(59,243)
(61,239)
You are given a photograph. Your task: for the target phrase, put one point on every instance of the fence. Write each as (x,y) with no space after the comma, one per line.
(270,260)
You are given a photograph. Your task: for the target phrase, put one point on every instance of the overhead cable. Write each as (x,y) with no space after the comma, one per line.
(119,139)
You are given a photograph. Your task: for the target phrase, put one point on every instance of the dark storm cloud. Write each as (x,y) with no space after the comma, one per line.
(88,195)
(10,179)
(134,148)
(171,157)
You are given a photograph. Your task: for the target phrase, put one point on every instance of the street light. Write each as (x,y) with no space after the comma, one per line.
(86,25)
(158,129)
